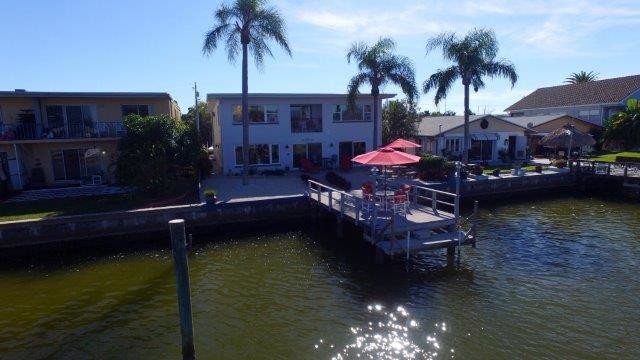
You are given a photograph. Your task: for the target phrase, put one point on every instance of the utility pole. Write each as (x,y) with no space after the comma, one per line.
(195,91)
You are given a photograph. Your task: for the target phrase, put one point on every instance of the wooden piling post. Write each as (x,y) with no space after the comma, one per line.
(451,254)
(474,225)
(178,244)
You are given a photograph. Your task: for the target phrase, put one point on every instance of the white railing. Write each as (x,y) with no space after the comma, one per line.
(338,200)
(437,200)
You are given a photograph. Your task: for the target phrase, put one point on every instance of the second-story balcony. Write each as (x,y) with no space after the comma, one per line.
(12,132)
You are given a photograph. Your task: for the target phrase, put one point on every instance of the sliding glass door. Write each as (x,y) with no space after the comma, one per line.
(74,164)
(311,151)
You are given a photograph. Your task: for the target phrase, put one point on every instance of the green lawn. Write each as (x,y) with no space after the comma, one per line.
(611,156)
(183,193)
(69,206)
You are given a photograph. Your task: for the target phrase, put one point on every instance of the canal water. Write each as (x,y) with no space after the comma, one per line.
(550,278)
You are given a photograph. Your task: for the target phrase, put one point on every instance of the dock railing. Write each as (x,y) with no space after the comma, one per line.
(337,200)
(438,200)
(622,169)
(341,201)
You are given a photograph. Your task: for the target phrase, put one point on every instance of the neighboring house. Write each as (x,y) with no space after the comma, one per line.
(490,136)
(68,138)
(592,101)
(544,124)
(286,128)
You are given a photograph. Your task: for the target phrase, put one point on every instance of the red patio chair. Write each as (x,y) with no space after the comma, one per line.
(308,166)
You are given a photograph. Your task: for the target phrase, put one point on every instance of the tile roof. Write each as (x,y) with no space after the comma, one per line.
(605,91)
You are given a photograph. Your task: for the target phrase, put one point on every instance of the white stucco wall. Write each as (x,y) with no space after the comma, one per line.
(230,133)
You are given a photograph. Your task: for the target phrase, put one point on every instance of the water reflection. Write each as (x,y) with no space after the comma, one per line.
(392,334)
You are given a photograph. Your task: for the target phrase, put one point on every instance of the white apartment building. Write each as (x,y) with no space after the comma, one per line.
(286,128)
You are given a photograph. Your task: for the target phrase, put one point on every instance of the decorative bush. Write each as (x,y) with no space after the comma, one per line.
(477,170)
(338,181)
(560,163)
(538,169)
(434,168)
(496,172)
(210,195)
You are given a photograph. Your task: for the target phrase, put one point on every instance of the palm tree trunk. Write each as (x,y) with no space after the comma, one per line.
(245,116)
(465,147)
(375,120)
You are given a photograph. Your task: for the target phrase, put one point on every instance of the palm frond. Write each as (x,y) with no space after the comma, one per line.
(353,89)
(400,71)
(501,68)
(358,51)
(270,24)
(441,80)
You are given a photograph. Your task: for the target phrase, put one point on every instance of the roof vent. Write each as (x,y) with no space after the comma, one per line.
(530,125)
(20,90)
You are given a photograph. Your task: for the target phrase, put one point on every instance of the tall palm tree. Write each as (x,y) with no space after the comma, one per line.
(581,77)
(474,57)
(378,65)
(246,24)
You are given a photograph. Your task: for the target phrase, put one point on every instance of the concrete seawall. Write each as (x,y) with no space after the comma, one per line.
(276,209)
(67,228)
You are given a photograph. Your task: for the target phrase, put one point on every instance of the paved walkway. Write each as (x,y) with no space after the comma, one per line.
(60,193)
(230,188)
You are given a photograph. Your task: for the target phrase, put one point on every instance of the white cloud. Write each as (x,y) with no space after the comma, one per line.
(374,22)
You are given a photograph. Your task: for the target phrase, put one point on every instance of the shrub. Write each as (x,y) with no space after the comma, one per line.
(477,170)
(560,163)
(155,152)
(434,168)
(538,169)
(210,193)
(338,181)
(496,172)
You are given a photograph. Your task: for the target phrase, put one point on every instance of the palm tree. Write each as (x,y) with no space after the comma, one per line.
(581,77)
(474,57)
(378,65)
(246,24)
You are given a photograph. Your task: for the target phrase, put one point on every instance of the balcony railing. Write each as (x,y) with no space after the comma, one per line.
(9,132)
(305,125)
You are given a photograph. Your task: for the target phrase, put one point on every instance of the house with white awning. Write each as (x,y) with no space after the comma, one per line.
(493,139)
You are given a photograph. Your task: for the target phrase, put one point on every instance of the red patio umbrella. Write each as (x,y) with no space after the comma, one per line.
(402,144)
(386,156)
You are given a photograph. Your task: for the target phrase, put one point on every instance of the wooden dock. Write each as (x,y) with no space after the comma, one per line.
(432,219)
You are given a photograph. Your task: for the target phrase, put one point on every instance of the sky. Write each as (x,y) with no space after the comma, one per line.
(143,45)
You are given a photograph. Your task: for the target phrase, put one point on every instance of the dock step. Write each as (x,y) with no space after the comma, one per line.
(418,242)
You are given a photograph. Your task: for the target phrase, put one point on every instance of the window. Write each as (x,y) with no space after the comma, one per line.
(260,154)
(257,114)
(347,150)
(74,164)
(453,145)
(142,110)
(342,113)
(55,121)
(70,120)
(306,118)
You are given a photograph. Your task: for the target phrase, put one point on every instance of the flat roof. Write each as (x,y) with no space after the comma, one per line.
(80,94)
(289,95)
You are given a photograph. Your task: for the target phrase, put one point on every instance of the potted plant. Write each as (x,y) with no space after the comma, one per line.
(210,196)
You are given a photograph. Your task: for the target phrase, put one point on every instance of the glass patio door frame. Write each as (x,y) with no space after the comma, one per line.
(307,153)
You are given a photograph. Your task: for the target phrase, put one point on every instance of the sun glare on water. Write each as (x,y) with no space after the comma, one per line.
(390,334)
